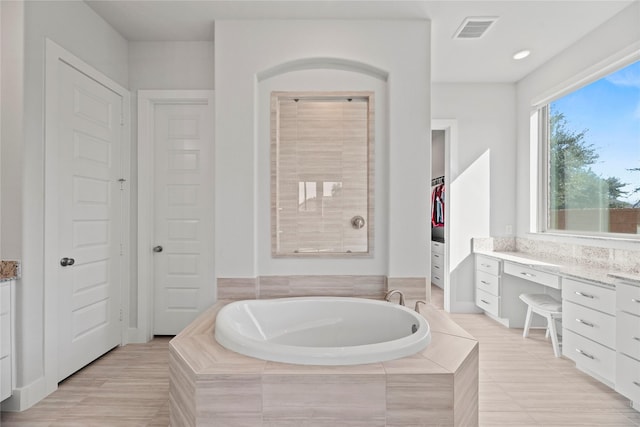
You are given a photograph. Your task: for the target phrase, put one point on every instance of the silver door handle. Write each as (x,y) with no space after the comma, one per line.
(157,248)
(591,325)
(67,261)
(585,354)
(585,295)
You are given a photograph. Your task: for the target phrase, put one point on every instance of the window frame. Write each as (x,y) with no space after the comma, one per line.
(540,138)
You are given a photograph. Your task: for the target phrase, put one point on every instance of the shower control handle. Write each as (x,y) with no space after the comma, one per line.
(357,222)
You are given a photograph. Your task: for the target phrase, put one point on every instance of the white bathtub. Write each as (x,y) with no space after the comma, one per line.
(321,330)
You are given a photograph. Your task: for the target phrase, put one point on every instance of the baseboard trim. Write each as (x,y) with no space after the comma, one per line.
(25,397)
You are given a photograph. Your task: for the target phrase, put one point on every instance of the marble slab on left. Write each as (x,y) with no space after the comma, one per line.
(9,270)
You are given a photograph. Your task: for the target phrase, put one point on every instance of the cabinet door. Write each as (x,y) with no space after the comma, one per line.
(5,340)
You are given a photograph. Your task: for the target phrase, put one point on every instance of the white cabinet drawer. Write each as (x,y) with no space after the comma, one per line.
(628,334)
(5,378)
(597,326)
(488,282)
(5,297)
(531,274)
(437,279)
(488,265)
(487,302)
(628,377)
(437,247)
(5,335)
(437,260)
(597,297)
(628,298)
(589,355)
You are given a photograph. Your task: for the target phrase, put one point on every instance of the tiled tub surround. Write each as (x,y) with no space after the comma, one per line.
(214,386)
(374,287)
(9,270)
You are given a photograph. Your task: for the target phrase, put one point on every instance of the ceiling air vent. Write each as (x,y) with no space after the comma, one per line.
(474,27)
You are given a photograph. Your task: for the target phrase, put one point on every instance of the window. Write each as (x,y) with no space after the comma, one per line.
(592,146)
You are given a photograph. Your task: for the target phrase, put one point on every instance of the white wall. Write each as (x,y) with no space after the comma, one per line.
(616,38)
(437,153)
(12,81)
(160,65)
(244,49)
(486,121)
(482,172)
(74,26)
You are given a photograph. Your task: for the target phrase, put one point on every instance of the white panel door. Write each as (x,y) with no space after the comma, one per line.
(89,219)
(183,252)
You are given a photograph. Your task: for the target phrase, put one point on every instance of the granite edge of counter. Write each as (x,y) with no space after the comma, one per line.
(604,277)
(9,270)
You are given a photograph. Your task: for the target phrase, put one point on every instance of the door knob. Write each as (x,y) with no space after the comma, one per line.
(157,248)
(67,261)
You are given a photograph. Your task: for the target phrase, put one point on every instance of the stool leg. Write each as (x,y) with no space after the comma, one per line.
(527,323)
(551,326)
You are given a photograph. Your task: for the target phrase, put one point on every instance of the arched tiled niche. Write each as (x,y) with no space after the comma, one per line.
(324,95)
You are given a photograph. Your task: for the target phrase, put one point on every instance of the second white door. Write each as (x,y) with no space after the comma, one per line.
(183,214)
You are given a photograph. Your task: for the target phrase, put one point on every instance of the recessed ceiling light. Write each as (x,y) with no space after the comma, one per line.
(521,54)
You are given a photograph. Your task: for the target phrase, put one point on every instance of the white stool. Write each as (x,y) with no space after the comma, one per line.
(545,306)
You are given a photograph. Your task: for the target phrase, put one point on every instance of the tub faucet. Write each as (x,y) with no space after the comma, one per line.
(392,292)
(417,307)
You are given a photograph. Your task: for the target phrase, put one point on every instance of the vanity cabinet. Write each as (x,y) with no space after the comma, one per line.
(487,281)
(437,264)
(6,339)
(628,341)
(589,328)
(498,286)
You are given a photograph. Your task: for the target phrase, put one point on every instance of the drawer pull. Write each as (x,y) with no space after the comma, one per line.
(436,256)
(436,266)
(636,338)
(486,265)
(486,302)
(484,283)
(436,277)
(635,300)
(584,322)
(584,295)
(524,273)
(585,354)
(636,383)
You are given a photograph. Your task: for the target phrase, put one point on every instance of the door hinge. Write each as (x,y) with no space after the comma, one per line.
(122,181)
(121,315)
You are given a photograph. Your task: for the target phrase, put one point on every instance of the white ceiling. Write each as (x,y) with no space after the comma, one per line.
(544,27)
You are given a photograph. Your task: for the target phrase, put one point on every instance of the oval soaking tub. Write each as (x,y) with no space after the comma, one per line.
(321,330)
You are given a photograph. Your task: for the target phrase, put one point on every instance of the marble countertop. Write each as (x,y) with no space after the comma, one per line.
(599,276)
(9,270)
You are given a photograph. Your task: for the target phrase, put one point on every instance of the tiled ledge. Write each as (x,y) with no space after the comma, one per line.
(9,270)
(211,385)
(365,286)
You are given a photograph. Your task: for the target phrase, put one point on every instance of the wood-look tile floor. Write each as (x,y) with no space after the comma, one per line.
(521,384)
